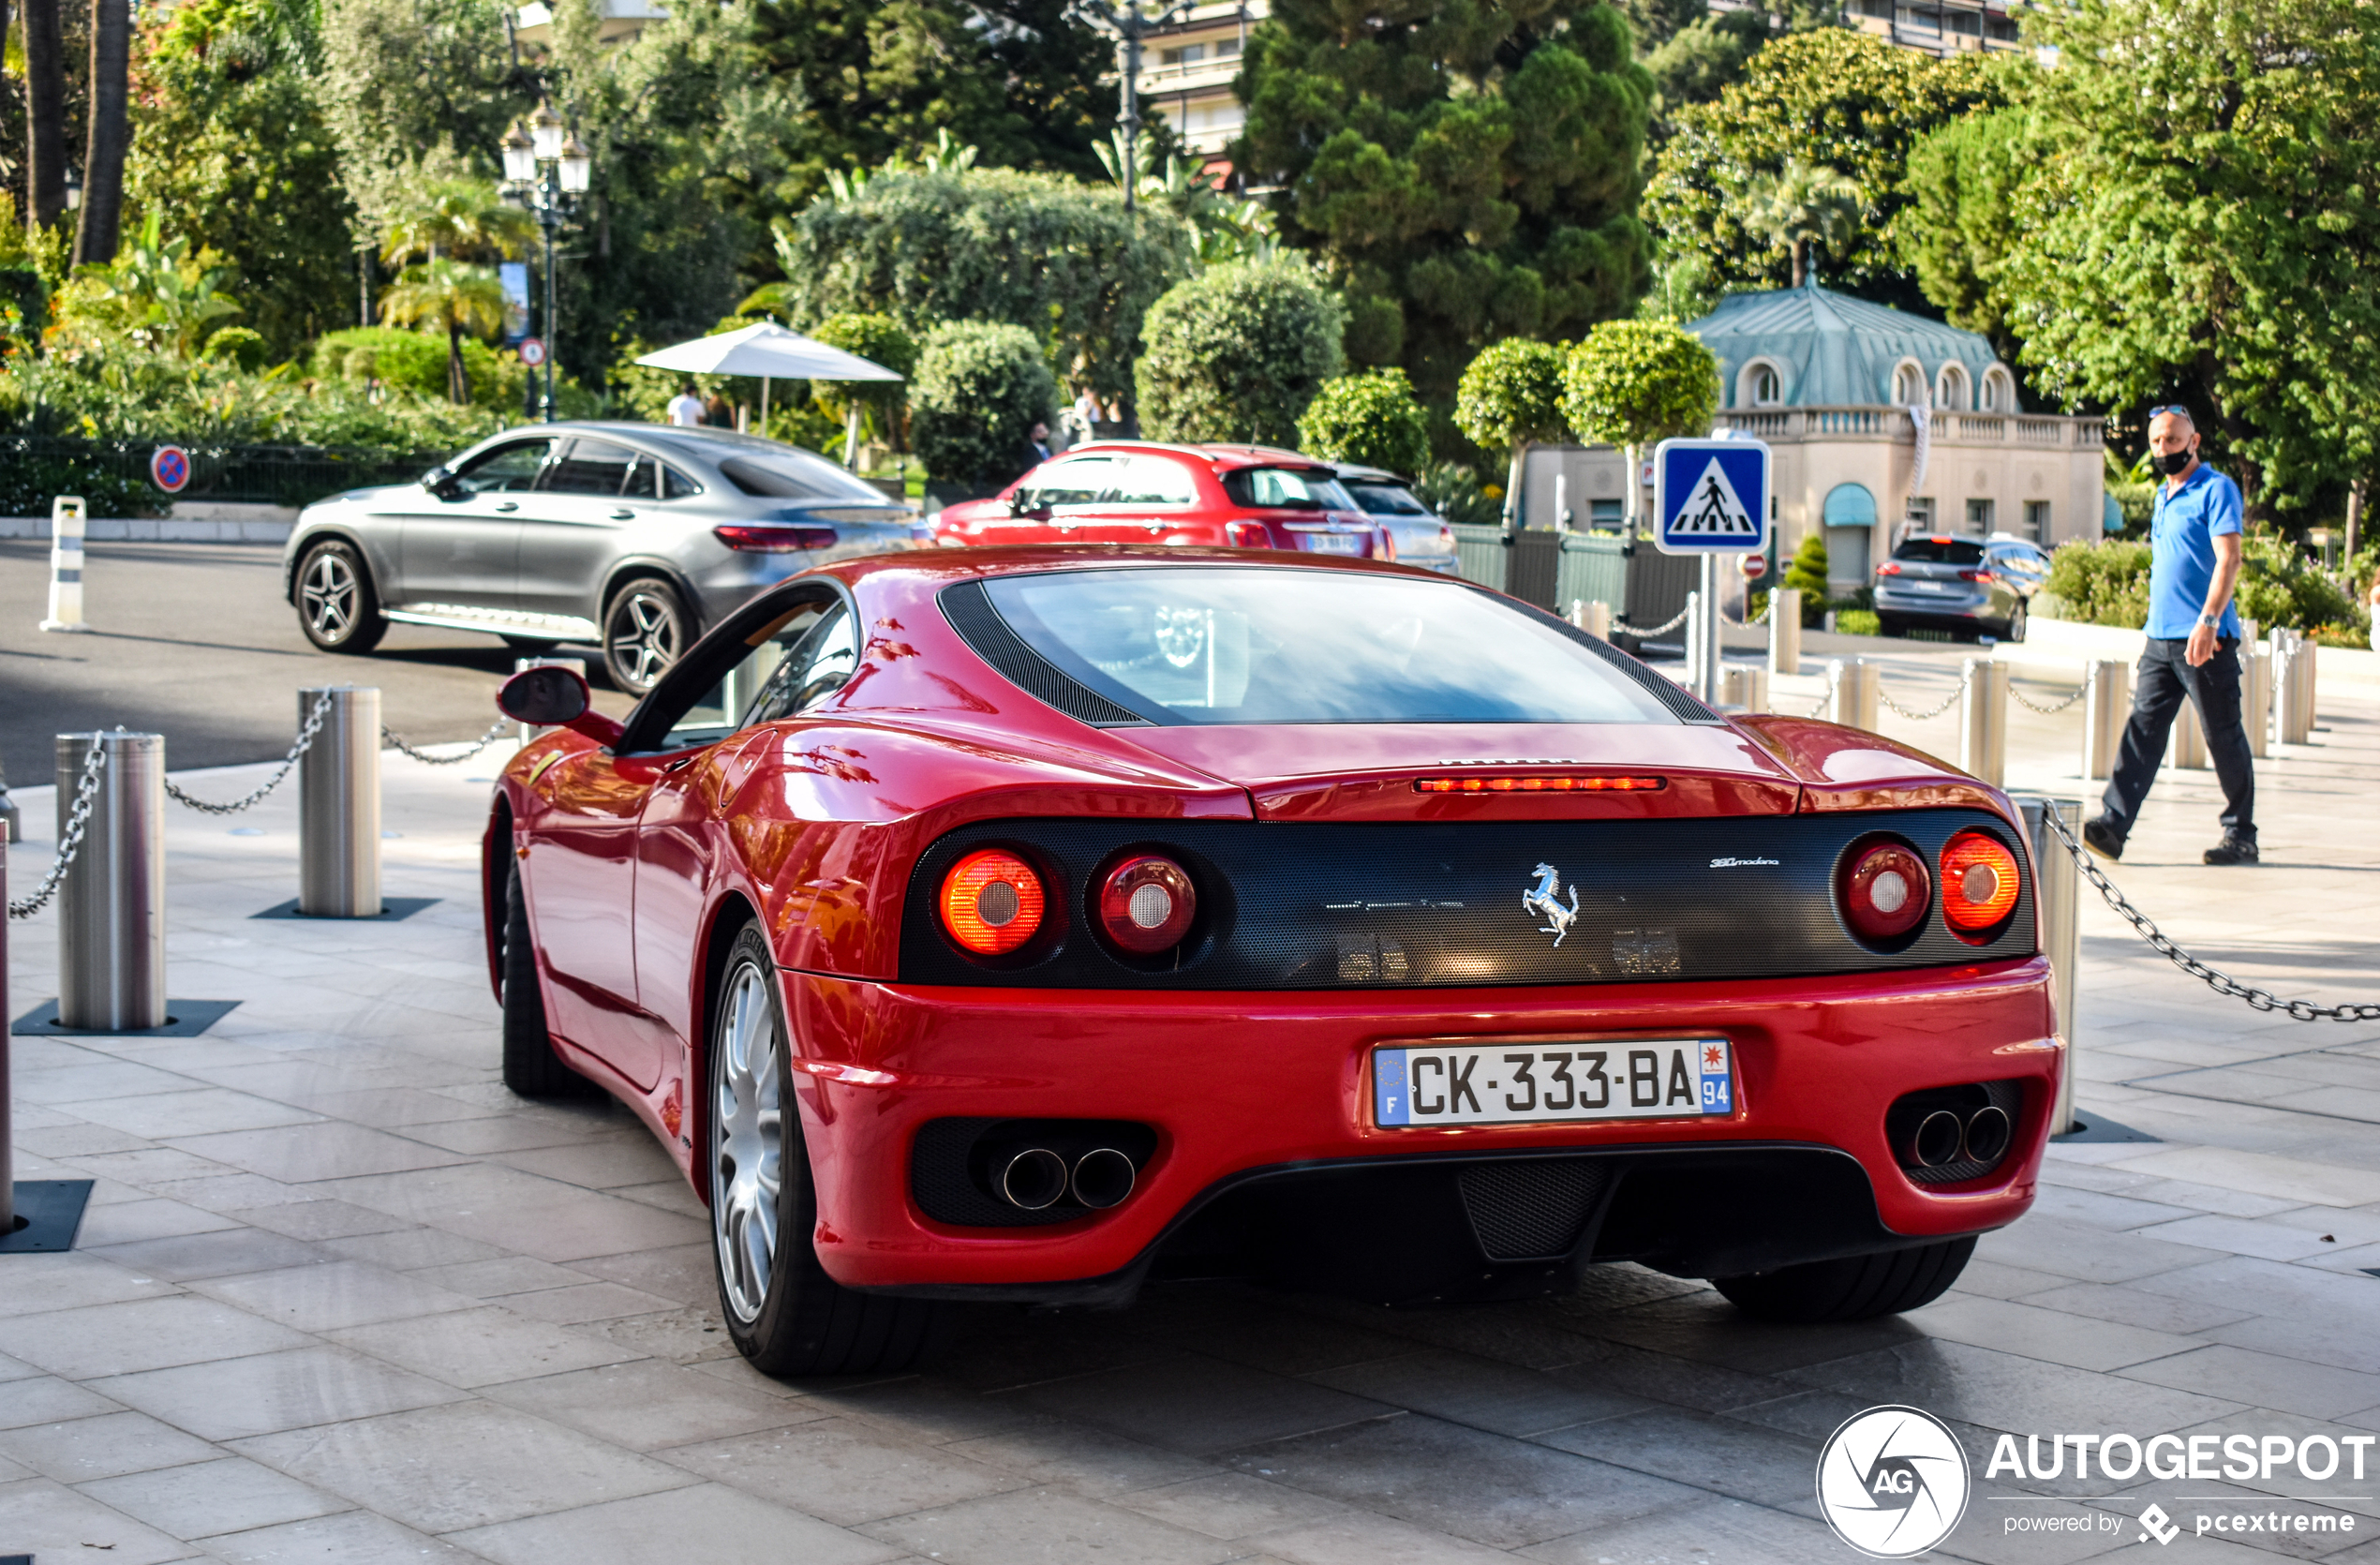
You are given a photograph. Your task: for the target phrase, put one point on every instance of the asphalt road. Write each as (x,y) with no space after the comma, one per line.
(194,641)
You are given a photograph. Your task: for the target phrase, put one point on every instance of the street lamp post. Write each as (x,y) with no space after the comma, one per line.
(1133,26)
(546,169)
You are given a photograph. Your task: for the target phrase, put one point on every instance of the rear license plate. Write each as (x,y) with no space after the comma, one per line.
(1610,1079)
(1334,543)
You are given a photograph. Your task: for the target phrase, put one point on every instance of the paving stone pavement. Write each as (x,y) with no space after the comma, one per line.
(340,1297)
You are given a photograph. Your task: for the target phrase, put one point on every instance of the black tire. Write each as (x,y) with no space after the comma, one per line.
(647,627)
(531,1068)
(338,608)
(1858,1287)
(782,1311)
(2015,629)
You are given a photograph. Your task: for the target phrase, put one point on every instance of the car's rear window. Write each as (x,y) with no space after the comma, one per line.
(1386,499)
(791,474)
(1940,551)
(1286,489)
(1268,645)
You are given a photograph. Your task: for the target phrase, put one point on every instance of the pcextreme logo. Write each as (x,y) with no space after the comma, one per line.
(1893,1481)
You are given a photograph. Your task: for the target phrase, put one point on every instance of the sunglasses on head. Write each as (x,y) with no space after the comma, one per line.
(2174,408)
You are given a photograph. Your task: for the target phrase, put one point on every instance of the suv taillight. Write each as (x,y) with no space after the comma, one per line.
(768,539)
(1247,535)
(1884,891)
(1888,569)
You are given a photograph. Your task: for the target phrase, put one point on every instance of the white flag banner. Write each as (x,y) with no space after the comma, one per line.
(1921,418)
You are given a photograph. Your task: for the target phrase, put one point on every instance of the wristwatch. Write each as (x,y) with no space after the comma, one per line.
(2210,621)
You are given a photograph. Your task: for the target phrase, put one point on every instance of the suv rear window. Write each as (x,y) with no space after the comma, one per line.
(1286,489)
(1264,645)
(1386,499)
(790,475)
(1940,551)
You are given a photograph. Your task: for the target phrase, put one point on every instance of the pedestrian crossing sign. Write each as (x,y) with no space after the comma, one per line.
(1711,497)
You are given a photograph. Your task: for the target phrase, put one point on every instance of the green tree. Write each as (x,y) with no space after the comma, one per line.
(1237,352)
(155,293)
(1510,398)
(229,139)
(879,340)
(1805,574)
(453,298)
(461,219)
(414,92)
(1800,205)
(1370,418)
(981,387)
(1962,181)
(1464,173)
(1059,257)
(1630,383)
(2194,221)
(1831,97)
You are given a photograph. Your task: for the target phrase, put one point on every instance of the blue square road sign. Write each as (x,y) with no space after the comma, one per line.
(1711,497)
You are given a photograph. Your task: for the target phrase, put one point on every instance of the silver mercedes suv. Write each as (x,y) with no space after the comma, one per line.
(633,537)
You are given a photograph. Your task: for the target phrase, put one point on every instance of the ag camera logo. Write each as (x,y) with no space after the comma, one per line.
(1893,1481)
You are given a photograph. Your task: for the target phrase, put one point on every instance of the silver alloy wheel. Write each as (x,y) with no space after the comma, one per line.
(748,1141)
(642,640)
(328,595)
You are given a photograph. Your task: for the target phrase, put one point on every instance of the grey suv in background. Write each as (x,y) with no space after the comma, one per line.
(633,537)
(1422,535)
(1970,586)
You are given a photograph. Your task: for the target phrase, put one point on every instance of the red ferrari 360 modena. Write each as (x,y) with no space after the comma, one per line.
(1027,924)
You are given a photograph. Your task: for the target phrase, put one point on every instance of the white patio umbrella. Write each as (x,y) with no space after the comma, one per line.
(771,352)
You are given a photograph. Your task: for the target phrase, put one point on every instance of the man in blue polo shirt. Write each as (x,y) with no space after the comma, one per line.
(2192,652)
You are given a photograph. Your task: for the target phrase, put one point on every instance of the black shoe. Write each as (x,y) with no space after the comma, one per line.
(2100,839)
(2233,850)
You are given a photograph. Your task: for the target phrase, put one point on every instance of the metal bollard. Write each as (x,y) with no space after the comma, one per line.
(1745,685)
(2188,749)
(2106,707)
(12,822)
(111,902)
(2256,697)
(339,806)
(2293,669)
(2057,907)
(1785,630)
(1982,721)
(2307,685)
(8,1150)
(1852,686)
(1694,650)
(66,520)
(1593,617)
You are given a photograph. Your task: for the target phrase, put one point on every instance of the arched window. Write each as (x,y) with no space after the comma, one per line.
(1766,391)
(1953,393)
(2000,391)
(1908,387)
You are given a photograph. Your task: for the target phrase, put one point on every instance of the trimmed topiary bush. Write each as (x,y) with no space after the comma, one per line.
(1511,395)
(1237,352)
(1630,384)
(1371,418)
(980,388)
(1806,575)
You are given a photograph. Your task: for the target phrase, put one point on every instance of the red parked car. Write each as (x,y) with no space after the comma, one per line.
(1247,497)
(1023,925)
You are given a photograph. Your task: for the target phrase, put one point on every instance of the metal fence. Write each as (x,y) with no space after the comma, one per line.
(1553,570)
(115,473)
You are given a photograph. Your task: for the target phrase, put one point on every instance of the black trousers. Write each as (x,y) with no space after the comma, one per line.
(2163,680)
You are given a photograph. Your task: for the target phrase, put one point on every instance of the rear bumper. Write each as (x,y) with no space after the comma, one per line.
(1261,1107)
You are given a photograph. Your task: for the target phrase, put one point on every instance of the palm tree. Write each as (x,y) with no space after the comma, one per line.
(96,234)
(455,298)
(459,219)
(1800,203)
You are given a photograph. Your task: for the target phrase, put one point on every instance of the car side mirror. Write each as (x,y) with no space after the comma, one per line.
(553,697)
(441,483)
(1019,505)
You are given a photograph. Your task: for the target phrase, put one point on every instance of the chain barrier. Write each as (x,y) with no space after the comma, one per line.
(1672,623)
(2215,978)
(1760,618)
(494,732)
(69,842)
(304,742)
(1948,701)
(2048,711)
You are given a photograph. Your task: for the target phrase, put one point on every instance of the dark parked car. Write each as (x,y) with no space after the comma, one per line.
(1423,538)
(1970,587)
(631,536)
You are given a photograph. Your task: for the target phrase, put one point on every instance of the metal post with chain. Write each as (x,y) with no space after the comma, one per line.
(2019,696)
(1672,622)
(305,741)
(494,732)
(2215,979)
(1947,703)
(70,839)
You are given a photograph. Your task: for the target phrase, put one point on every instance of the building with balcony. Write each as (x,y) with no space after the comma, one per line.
(619,22)
(1186,69)
(1935,27)
(1873,417)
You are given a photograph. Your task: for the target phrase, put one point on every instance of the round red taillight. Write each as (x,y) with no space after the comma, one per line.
(1979,885)
(991,902)
(1885,892)
(1146,904)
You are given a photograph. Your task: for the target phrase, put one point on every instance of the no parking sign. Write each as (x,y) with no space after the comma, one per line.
(169,468)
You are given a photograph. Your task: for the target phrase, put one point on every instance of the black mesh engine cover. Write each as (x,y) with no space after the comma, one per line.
(1308,905)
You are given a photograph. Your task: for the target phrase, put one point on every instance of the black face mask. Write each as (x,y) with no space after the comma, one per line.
(2174,464)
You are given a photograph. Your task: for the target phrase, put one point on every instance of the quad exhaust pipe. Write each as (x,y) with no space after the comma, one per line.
(1944,1137)
(1036,1178)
